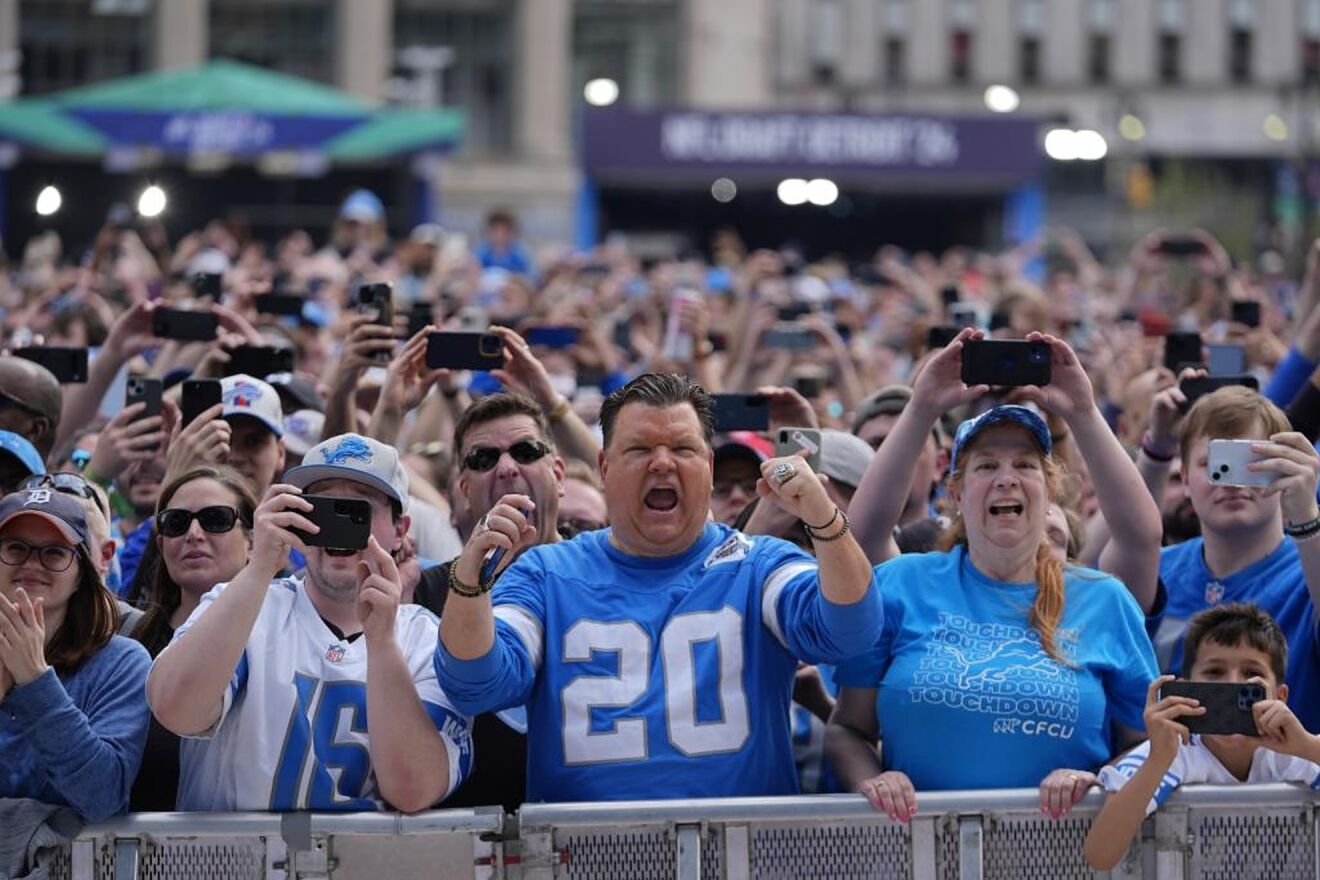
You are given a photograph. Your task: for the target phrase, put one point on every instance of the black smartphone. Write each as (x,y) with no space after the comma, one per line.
(464,351)
(554,337)
(941,335)
(1227,705)
(1246,312)
(197,397)
(741,412)
(1005,362)
(1181,246)
(345,523)
(68,365)
(1181,349)
(184,325)
(206,284)
(280,304)
(146,390)
(420,316)
(259,360)
(1199,386)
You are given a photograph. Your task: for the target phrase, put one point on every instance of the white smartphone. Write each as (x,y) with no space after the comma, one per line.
(1227,464)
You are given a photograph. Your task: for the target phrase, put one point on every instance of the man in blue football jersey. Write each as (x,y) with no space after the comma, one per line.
(656,657)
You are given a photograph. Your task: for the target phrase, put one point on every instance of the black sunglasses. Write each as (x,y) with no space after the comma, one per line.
(69,484)
(483,458)
(216,519)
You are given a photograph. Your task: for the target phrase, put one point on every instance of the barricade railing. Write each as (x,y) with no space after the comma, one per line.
(1266,832)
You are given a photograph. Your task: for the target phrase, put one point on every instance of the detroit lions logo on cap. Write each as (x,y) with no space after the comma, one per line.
(349,448)
(243,394)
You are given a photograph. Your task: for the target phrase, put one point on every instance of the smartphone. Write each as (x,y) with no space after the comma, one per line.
(1181,349)
(206,284)
(184,325)
(554,337)
(464,351)
(1227,705)
(1181,246)
(941,335)
(1226,359)
(741,412)
(799,441)
(345,523)
(1199,386)
(146,390)
(197,397)
(1246,313)
(378,300)
(259,360)
(68,365)
(280,304)
(1227,463)
(790,337)
(1005,362)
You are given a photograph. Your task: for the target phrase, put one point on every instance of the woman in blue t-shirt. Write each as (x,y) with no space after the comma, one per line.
(999,666)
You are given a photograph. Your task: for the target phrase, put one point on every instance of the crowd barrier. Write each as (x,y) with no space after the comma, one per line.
(1202,833)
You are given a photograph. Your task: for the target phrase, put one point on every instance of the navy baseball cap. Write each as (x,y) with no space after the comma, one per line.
(1008,414)
(61,510)
(23,450)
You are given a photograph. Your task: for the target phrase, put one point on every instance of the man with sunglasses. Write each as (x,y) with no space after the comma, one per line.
(271,681)
(30,402)
(655,657)
(504,448)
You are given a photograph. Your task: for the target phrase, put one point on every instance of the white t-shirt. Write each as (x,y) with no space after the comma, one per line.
(292,733)
(1197,764)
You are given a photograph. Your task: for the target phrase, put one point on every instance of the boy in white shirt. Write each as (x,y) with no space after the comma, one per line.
(1229,643)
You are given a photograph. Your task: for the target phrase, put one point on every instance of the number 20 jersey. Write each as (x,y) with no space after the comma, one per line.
(658,677)
(292,733)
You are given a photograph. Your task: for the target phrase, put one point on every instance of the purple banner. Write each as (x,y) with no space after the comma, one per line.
(630,141)
(236,132)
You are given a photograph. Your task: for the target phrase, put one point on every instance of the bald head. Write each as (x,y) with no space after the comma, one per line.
(31,402)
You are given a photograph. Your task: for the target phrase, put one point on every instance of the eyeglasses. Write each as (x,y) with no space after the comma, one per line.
(483,458)
(69,484)
(217,520)
(53,557)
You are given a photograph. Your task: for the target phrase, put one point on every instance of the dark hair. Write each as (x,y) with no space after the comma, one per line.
(1231,625)
(90,620)
(498,406)
(163,595)
(659,390)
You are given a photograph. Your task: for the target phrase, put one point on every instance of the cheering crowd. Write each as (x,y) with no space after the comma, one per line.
(569,527)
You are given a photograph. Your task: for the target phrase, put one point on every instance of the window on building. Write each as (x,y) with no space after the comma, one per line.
(291,36)
(66,43)
(479,78)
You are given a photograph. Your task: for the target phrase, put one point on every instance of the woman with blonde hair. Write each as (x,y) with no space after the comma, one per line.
(1000,665)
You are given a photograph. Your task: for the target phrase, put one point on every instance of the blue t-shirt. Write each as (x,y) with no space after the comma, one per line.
(77,739)
(657,677)
(1276,583)
(968,698)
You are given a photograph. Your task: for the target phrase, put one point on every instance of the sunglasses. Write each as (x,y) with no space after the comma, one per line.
(69,484)
(53,557)
(483,458)
(216,520)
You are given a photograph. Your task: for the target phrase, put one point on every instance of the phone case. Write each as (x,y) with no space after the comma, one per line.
(197,397)
(345,522)
(1005,362)
(464,351)
(1227,462)
(741,412)
(186,326)
(1227,705)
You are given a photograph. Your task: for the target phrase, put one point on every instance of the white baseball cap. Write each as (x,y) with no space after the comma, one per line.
(357,458)
(244,395)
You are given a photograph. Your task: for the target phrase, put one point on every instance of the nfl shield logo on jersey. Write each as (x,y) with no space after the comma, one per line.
(1214,593)
(335,653)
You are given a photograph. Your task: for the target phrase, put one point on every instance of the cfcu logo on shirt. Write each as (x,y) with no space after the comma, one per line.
(732,550)
(1214,593)
(335,653)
